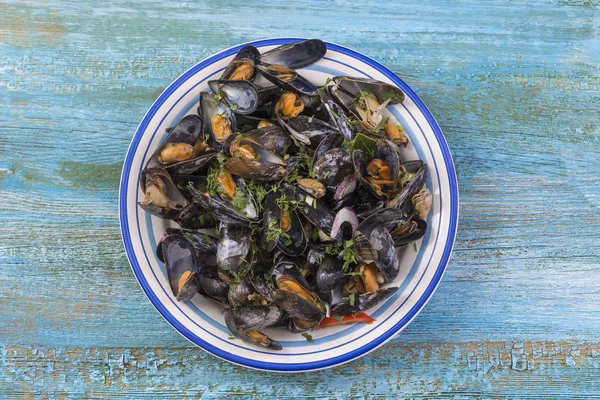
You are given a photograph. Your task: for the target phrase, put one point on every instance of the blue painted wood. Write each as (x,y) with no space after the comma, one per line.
(515,87)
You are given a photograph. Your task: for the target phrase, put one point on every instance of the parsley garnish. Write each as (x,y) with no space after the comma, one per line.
(351,299)
(239,201)
(307,336)
(219,95)
(338,318)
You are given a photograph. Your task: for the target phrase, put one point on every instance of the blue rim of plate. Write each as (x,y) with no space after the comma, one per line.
(304,366)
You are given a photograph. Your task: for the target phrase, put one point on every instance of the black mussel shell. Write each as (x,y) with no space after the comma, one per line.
(388,262)
(239,294)
(162,198)
(218,121)
(333,167)
(240,96)
(245,323)
(248,55)
(336,113)
(296,55)
(234,245)
(192,166)
(362,302)
(181,265)
(212,286)
(288,79)
(329,142)
(272,138)
(308,130)
(193,216)
(381,90)
(403,200)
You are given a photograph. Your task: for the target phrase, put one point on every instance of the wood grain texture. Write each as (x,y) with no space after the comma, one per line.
(516,89)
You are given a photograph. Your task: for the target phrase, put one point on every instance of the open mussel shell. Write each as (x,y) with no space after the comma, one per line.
(223,210)
(272,138)
(218,120)
(256,162)
(378,187)
(182,266)
(362,302)
(363,249)
(403,200)
(234,245)
(288,79)
(381,90)
(294,295)
(294,242)
(296,55)
(162,198)
(242,67)
(409,232)
(246,322)
(240,96)
(182,143)
(308,130)
(336,113)
(313,209)
(191,166)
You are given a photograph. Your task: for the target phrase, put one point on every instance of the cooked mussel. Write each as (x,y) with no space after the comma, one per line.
(218,120)
(242,67)
(251,160)
(162,198)
(246,322)
(307,129)
(288,106)
(181,265)
(288,79)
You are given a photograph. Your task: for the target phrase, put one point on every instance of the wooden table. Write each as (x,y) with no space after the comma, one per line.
(516,89)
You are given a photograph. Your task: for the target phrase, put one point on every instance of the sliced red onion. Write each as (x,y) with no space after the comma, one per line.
(347,186)
(346,214)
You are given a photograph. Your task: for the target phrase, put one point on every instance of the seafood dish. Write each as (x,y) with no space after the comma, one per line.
(291,199)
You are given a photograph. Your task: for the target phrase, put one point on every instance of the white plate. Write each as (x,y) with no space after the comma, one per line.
(200,320)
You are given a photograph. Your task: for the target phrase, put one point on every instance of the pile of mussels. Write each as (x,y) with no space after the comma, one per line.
(291,198)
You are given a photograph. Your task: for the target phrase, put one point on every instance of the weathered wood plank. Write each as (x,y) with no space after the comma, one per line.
(515,86)
(420,370)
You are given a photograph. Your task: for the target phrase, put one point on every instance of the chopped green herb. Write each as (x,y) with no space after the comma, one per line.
(338,318)
(202,218)
(326,175)
(219,95)
(207,238)
(307,336)
(239,136)
(247,127)
(334,113)
(233,107)
(351,299)
(353,273)
(239,201)
(348,255)
(416,246)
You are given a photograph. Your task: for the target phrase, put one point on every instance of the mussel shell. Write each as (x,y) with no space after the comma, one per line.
(212,286)
(417,232)
(331,141)
(363,302)
(333,167)
(295,306)
(344,225)
(296,243)
(256,169)
(263,284)
(296,55)
(381,90)
(329,275)
(272,138)
(192,166)
(187,130)
(240,96)
(245,323)
(247,52)
(234,245)
(176,200)
(363,249)
(298,84)
(388,152)
(387,217)
(271,213)
(337,115)
(388,262)
(308,130)
(315,210)
(202,242)
(181,265)
(210,107)
(193,216)
(314,258)
(238,295)
(222,211)
(403,200)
